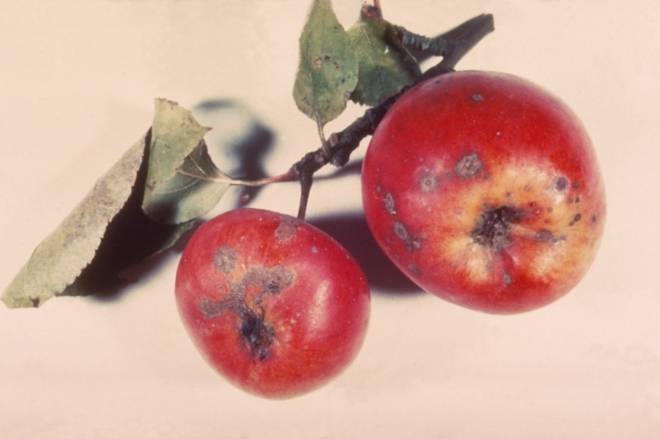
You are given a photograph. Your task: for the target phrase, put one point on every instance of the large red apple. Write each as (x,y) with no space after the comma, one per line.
(273,303)
(484,189)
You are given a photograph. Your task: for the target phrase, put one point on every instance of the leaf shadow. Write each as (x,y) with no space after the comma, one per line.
(133,247)
(246,149)
(351,231)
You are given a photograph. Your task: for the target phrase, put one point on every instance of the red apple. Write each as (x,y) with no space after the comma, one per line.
(484,189)
(273,303)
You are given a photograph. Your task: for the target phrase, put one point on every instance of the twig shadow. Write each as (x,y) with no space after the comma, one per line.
(351,231)
(246,146)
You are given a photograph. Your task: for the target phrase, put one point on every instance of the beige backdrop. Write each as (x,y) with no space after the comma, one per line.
(77,83)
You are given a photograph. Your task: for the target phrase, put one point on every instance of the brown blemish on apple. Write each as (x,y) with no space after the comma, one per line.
(402,233)
(561,183)
(477,97)
(575,219)
(255,332)
(493,226)
(388,202)
(225,259)
(506,278)
(468,166)
(594,219)
(285,230)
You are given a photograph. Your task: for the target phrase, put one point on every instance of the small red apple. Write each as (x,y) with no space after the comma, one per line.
(484,189)
(273,303)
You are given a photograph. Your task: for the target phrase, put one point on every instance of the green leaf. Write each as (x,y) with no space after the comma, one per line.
(177,143)
(383,70)
(187,196)
(62,256)
(328,69)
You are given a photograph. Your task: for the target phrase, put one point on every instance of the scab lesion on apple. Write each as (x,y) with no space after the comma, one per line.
(503,216)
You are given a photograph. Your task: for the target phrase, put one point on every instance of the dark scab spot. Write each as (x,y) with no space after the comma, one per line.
(506,278)
(545,235)
(402,233)
(225,259)
(277,279)
(561,183)
(492,228)
(468,166)
(35,301)
(285,230)
(428,182)
(414,269)
(577,199)
(575,219)
(213,308)
(388,202)
(477,97)
(257,335)
(594,219)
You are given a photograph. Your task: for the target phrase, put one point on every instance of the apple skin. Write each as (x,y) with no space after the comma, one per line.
(484,189)
(274,304)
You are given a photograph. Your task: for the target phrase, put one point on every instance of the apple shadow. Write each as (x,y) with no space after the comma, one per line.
(351,231)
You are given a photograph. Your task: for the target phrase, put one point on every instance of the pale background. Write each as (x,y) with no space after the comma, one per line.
(77,83)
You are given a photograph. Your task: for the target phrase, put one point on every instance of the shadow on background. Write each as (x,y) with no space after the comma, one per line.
(351,231)
(247,149)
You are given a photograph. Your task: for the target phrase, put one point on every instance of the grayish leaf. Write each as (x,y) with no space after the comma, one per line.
(61,257)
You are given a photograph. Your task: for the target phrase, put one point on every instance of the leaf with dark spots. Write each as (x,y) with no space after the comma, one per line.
(328,68)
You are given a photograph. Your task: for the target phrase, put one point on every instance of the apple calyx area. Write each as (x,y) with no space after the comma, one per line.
(492,229)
